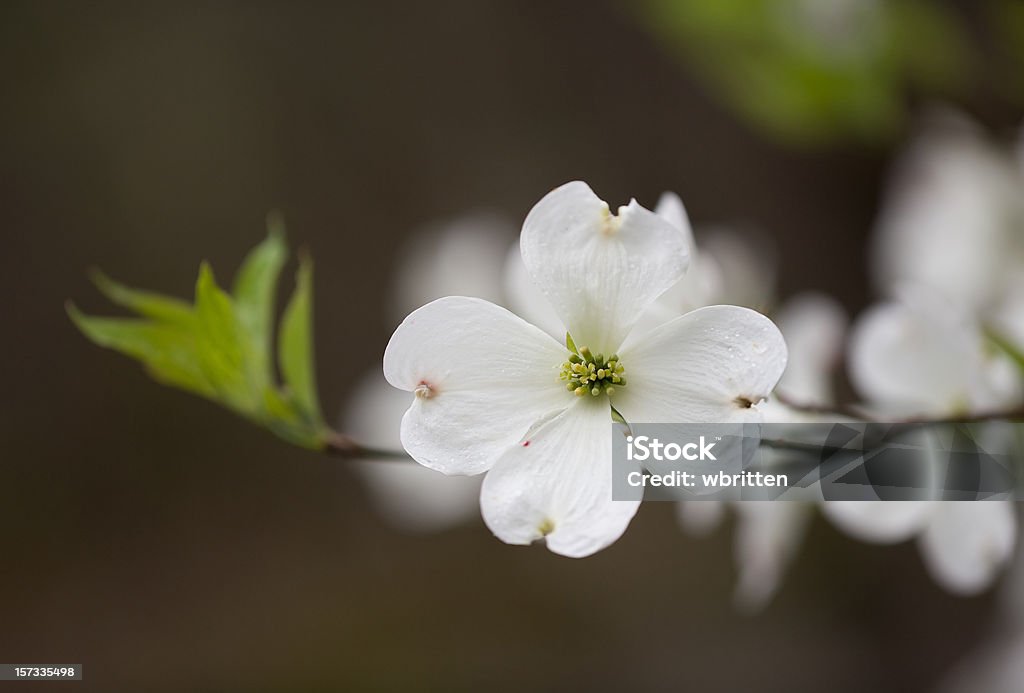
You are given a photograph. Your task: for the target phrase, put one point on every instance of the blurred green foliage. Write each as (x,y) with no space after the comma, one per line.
(221,347)
(813,70)
(1007,347)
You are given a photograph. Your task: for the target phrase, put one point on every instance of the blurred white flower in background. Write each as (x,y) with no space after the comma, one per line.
(487,393)
(949,255)
(525,298)
(727,267)
(463,256)
(767,538)
(768,534)
(412,498)
(964,544)
(952,224)
(918,357)
(815,327)
(997,665)
(921,356)
(703,281)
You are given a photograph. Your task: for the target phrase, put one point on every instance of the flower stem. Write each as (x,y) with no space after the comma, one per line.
(344,446)
(855,412)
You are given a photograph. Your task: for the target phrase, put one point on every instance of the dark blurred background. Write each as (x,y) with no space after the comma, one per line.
(167,545)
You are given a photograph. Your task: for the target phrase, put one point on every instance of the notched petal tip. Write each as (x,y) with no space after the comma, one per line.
(613,222)
(425,390)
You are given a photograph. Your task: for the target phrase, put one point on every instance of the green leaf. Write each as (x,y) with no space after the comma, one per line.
(1007,347)
(570,345)
(254,291)
(168,351)
(289,423)
(295,350)
(146,303)
(806,80)
(221,347)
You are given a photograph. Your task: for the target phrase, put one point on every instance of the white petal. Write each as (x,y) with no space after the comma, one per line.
(705,366)
(373,413)
(416,499)
(702,283)
(558,484)
(599,271)
(745,262)
(998,386)
(1007,317)
(768,534)
(702,517)
(484,377)
(525,299)
(814,325)
(944,222)
(408,495)
(775,412)
(463,257)
(702,286)
(670,207)
(912,359)
(879,522)
(967,543)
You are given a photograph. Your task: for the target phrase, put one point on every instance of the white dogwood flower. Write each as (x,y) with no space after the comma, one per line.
(911,358)
(493,393)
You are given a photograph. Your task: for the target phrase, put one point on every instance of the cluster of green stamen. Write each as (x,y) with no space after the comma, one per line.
(586,373)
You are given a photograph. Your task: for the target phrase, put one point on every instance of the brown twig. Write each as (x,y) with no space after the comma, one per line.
(837,411)
(855,412)
(344,446)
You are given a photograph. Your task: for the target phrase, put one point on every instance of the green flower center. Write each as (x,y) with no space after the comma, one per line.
(584,373)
